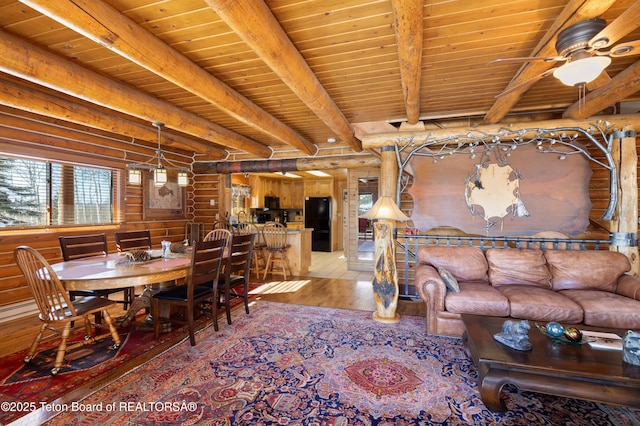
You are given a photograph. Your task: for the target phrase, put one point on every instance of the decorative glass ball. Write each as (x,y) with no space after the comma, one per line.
(554,329)
(573,334)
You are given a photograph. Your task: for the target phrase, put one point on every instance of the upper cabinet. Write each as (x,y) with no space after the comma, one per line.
(318,188)
(291,194)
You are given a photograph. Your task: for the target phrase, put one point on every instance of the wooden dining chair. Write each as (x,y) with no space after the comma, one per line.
(218,234)
(275,238)
(237,270)
(133,240)
(223,224)
(57,309)
(259,246)
(81,246)
(200,285)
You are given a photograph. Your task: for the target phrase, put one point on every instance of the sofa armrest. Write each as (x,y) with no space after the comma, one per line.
(629,286)
(432,290)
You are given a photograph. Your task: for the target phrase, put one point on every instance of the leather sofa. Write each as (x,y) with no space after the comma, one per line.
(589,287)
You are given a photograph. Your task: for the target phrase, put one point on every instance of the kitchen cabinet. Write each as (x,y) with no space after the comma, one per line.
(261,187)
(291,194)
(318,188)
(271,187)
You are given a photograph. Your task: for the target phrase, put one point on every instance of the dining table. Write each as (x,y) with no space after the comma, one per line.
(116,271)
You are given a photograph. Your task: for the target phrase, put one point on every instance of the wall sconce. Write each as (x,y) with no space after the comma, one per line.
(385,280)
(160,177)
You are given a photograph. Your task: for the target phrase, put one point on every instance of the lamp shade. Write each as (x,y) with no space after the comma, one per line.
(159,176)
(385,208)
(582,71)
(135,177)
(183,179)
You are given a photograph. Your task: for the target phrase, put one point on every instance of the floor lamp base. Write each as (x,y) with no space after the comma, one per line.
(388,320)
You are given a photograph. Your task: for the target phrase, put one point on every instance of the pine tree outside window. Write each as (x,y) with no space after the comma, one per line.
(36,193)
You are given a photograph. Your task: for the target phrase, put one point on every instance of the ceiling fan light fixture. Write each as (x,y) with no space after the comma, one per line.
(582,71)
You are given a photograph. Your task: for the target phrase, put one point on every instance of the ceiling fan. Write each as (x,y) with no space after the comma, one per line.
(579,46)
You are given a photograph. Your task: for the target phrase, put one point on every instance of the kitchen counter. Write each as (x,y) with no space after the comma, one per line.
(299,252)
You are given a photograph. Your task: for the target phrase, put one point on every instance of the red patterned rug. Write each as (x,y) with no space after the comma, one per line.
(25,388)
(300,365)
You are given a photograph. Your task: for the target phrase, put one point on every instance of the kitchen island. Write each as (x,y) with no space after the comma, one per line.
(299,252)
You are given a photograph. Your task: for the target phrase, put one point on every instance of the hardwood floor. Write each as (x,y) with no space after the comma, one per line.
(328,284)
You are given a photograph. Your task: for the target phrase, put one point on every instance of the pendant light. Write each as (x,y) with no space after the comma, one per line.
(160,173)
(160,176)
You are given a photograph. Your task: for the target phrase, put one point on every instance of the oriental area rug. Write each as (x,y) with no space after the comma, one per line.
(299,365)
(25,388)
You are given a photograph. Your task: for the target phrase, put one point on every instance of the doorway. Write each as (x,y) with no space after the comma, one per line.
(363,192)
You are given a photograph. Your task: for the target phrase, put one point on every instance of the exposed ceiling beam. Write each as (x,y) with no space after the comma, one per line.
(257,27)
(287,164)
(25,99)
(105,25)
(385,139)
(625,83)
(408,20)
(531,72)
(27,61)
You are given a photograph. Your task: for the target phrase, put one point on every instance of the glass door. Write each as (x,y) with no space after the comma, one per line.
(363,192)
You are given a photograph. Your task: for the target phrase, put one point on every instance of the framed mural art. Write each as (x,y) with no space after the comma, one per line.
(164,202)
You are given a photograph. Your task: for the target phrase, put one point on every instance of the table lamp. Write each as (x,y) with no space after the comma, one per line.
(385,280)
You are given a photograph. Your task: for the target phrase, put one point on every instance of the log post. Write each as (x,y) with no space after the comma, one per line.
(385,282)
(624,227)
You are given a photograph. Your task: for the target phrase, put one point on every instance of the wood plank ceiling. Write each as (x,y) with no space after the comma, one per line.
(280,77)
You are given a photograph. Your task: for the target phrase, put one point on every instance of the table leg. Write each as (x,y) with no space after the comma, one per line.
(490,386)
(140,302)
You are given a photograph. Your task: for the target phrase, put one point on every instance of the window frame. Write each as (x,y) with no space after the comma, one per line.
(45,154)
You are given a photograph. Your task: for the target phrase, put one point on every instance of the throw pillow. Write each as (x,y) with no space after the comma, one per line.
(449,280)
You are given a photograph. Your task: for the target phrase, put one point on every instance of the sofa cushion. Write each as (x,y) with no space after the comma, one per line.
(477,298)
(539,304)
(586,270)
(518,266)
(465,263)
(605,309)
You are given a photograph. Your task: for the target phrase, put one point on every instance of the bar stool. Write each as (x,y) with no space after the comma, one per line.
(259,246)
(275,237)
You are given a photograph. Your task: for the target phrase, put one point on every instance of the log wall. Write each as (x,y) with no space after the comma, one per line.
(36,133)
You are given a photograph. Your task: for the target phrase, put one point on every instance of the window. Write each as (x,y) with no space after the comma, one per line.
(366,202)
(37,193)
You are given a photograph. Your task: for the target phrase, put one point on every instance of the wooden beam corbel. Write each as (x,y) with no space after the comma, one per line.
(255,25)
(286,164)
(103,24)
(27,61)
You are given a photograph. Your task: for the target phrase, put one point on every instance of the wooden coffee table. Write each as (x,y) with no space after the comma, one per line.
(570,371)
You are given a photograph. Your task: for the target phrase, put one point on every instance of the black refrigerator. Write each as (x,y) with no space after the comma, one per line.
(317,215)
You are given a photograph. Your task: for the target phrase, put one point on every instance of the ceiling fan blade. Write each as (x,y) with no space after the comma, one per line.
(528,59)
(618,28)
(526,84)
(623,49)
